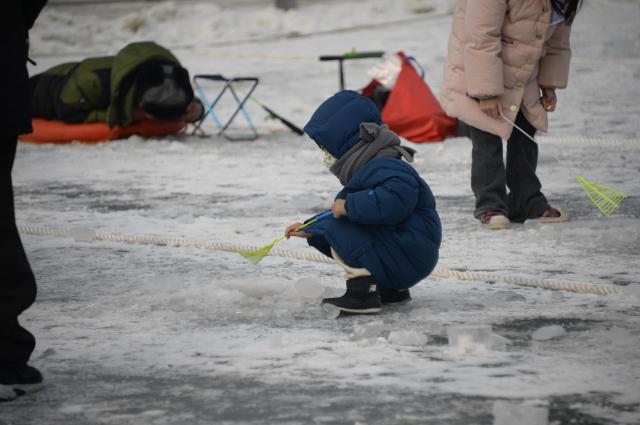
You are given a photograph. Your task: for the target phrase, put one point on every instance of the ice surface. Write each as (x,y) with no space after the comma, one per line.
(423,6)
(500,298)
(171,24)
(82,234)
(633,289)
(310,288)
(312,203)
(621,337)
(7,393)
(423,314)
(548,332)
(408,337)
(520,413)
(246,193)
(276,342)
(73,408)
(169,281)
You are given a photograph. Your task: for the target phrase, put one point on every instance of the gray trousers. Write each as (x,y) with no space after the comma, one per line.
(490,178)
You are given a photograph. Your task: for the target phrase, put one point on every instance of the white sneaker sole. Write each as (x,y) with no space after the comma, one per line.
(563,217)
(497,223)
(365,311)
(333,307)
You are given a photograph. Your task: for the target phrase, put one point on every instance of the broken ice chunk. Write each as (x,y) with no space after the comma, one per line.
(548,332)
(498,342)
(472,338)
(309,288)
(330,311)
(257,288)
(477,334)
(369,329)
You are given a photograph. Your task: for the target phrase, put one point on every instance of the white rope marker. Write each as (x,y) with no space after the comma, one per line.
(578,287)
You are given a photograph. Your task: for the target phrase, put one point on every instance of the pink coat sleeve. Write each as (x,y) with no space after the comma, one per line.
(482,47)
(554,66)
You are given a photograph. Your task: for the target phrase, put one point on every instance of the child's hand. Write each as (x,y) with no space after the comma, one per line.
(549,99)
(338,208)
(491,107)
(291,231)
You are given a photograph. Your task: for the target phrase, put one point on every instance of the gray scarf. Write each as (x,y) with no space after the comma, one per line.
(376,141)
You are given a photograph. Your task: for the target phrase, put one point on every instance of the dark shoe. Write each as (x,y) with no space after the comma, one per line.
(17,380)
(394,296)
(494,220)
(553,215)
(362,297)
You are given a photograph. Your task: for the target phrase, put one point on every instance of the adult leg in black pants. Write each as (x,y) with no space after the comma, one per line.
(17,290)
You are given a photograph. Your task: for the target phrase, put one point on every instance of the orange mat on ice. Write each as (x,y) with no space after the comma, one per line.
(45,131)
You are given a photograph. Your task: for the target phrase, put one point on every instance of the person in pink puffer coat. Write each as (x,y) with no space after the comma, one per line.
(506,58)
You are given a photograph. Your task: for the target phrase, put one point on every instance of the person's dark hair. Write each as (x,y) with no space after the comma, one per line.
(163,90)
(567,8)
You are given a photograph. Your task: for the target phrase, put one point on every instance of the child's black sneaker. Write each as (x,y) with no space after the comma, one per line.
(17,380)
(362,297)
(394,296)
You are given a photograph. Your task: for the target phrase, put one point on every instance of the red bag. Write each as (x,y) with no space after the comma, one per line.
(412,111)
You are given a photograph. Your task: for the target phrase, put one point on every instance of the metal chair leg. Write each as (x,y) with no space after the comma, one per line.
(240,102)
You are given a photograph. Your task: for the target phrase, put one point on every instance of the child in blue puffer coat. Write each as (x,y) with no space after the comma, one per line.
(385,231)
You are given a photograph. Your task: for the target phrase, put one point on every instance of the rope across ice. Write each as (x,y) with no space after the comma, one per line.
(578,287)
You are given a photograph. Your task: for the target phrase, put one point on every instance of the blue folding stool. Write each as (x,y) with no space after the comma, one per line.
(227,85)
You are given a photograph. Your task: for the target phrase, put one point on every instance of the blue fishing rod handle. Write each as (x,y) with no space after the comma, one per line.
(324,215)
(320,216)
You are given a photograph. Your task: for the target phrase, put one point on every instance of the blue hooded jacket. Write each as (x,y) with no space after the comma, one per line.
(392,228)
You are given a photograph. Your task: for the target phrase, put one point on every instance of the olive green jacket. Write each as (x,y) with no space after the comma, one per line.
(99,89)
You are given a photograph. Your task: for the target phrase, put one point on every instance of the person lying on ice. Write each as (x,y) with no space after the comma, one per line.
(385,231)
(143,80)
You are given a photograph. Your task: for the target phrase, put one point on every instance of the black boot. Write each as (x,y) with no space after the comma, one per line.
(362,297)
(394,296)
(17,380)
